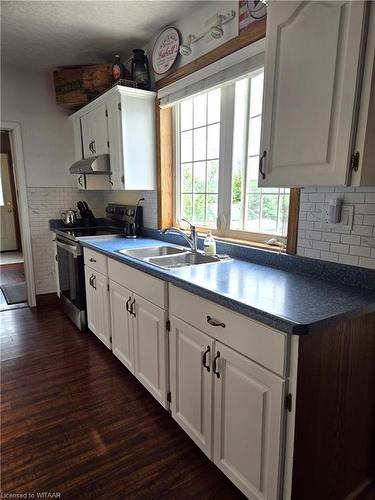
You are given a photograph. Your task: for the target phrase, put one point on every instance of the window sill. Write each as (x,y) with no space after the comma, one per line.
(248,243)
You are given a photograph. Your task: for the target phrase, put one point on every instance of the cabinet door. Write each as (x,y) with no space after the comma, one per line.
(248,420)
(95,132)
(91,311)
(122,325)
(191,382)
(78,154)
(312,60)
(150,347)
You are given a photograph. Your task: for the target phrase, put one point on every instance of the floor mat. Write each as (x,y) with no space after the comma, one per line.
(15,293)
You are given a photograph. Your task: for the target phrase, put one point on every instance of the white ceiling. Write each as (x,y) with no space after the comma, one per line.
(47,34)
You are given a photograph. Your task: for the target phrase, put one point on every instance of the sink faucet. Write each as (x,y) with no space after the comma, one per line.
(192,239)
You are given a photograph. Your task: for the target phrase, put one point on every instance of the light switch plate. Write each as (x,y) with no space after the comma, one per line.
(346,223)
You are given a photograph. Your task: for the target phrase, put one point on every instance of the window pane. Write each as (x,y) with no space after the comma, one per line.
(187,206)
(186,147)
(199,210)
(186,115)
(268,222)
(213,111)
(254,136)
(283,215)
(252,175)
(256,95)
(213,141)
(253,212)
(213,176)
(187,178)
(211,215)
(200,144)
(200,110)
(200,177)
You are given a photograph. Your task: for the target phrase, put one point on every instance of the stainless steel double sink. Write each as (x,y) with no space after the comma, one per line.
(169,256)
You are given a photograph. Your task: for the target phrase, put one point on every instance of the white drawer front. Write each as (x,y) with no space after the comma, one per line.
(96,261)
(258,342)
(146,286)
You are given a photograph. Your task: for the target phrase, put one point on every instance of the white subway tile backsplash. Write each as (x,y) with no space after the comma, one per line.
(355,247)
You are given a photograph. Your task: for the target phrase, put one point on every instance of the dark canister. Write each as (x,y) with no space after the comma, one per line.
(140,69)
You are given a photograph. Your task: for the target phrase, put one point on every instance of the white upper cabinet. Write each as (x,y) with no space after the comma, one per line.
(313,55)
(121,122)
(95,132)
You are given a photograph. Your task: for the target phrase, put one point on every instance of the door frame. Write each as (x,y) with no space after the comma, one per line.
(15,136)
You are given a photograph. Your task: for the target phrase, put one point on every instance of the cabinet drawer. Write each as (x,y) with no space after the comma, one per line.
(258,342)
(96,261)
(146,286)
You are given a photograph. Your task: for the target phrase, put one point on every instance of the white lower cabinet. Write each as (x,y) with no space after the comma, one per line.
(248,402)
(122,327)
(191,382)
(230,407)
(151,347)
(97,301)
(139,339)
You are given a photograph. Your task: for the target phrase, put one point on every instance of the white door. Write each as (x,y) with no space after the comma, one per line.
(122,324)
(95,132)
(191,382)
(8,239)
(90,299)
(150,347)
(247,423)
(312,57)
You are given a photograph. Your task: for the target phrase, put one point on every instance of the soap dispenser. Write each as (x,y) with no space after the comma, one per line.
(209,244)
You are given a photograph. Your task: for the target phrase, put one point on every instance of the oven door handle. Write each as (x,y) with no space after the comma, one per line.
(73,249)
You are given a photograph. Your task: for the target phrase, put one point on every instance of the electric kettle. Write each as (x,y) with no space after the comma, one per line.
(69,217)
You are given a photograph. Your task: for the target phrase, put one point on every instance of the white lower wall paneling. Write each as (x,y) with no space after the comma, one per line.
(355,247)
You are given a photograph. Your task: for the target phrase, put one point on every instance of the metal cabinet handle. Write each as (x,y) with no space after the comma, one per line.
(94,281)
(92,260)
(93,147)
(90,280)
(215,322)
(90,147)
(216,372)
(80,180)
(261,159)
(132,312)
(127,305)
(204,358)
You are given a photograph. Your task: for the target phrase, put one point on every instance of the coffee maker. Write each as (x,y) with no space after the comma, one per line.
(131,216)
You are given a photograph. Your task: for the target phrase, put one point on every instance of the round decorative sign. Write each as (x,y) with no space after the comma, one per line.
(165,50)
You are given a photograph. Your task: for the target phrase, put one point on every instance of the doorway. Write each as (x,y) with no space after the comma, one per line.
(13,290)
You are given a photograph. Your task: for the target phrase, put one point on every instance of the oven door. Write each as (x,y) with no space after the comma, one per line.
(71,272)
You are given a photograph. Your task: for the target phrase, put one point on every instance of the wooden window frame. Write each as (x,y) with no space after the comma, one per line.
(165,136)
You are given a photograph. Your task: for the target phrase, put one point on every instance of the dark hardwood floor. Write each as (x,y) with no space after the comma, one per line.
(75,421)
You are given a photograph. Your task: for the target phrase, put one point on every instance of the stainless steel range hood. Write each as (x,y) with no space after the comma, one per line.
(94,165)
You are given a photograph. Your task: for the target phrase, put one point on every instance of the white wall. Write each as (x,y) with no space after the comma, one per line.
(28,98)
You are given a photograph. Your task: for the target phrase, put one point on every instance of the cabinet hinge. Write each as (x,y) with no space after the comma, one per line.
(106,112)
(169,397)
(354,163)
(168,325)
(288,402)
(119,106)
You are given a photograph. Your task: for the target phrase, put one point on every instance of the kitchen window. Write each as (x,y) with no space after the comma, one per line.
(217,138)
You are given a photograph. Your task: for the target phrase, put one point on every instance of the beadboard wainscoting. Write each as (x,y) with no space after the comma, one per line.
(48,203)
(355,247)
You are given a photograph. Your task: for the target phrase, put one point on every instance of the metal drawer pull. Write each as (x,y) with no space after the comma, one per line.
(214,364)
(94,281)
(90,280)
(204,359)
(264,154)
(215,322)
(92,260)
(132,312)
(127,305)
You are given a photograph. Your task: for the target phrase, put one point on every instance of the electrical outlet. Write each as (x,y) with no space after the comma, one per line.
(346,223)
